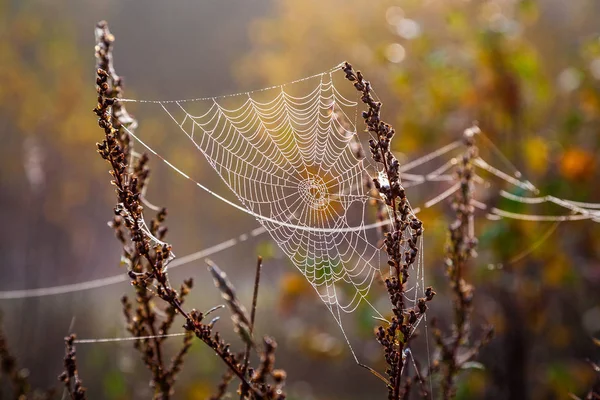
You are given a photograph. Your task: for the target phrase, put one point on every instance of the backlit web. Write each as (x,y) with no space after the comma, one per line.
(289,154)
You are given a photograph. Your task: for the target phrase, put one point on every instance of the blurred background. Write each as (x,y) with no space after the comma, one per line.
(527,71)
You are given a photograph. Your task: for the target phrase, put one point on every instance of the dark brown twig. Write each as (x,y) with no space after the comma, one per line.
(70,376)
(357,149)
(142,248)
(244,390)
(455,349)
(400,243)
(267,369)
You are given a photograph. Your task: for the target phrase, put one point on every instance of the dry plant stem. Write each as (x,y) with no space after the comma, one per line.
(406,229)
(242,323)
(244,390)
(115,149)
(130,177)
(267,369)
(460,250)
(147,255)
(70,376)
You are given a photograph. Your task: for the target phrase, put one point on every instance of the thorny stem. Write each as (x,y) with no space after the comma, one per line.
(401,243)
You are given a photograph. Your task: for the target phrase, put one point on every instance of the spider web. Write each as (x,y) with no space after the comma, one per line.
(288,153)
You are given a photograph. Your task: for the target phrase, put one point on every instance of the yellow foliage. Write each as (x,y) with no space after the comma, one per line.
(199,391)
(286,48)
(536,152)
(476,383)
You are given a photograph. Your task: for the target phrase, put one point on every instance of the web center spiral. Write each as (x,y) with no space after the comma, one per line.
(313,192)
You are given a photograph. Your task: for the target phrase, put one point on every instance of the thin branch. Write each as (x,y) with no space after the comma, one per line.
(244,390)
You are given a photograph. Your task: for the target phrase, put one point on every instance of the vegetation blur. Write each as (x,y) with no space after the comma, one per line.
(526,72)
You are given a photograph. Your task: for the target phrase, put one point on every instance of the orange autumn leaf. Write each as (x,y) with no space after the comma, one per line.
(576,164)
